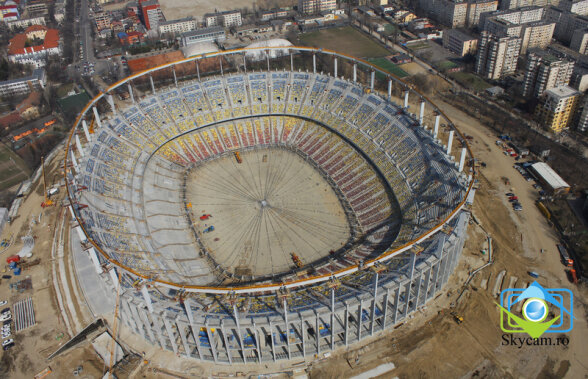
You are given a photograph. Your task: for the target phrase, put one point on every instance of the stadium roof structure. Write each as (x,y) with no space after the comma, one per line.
(435,224)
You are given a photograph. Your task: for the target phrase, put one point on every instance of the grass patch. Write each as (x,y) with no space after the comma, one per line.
(346,40)
(417,46)
(12,168)
(385,64)
(446,65)
(470,80)
(74,104)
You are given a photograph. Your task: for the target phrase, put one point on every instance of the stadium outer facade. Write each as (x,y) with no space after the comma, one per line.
(300,315)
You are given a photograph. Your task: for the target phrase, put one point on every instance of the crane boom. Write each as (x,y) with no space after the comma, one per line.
(114,328)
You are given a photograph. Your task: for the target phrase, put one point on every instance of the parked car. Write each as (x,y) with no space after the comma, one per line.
(3,302)
(510,194)
(7,342)
(9,346)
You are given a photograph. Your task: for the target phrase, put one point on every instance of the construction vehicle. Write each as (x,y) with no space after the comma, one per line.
(544,210)
(458,319)
(572,276)
(296,260)
(209,229)
(48,202)
(238,157)
(205,217)
(565,256)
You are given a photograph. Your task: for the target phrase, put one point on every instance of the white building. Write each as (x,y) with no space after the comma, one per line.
(226,19)
(19,86)
(316,6)
(181,25)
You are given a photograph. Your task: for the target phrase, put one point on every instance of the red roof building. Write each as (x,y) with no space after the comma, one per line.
(19,52)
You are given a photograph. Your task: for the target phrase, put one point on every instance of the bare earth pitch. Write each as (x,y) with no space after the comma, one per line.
(270,206)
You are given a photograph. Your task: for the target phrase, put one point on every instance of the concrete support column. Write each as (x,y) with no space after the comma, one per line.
(436,131)
(422,114)
(79,146)
(396,302)
(354,72)
(287,327)
(226,342)
(245,62)
(198,70)
(385,309)
(332,318)
(86,132)
(158,330)
(372,80)
(271,332)
(409,285)
(346,336)
(220,62)
(147,323)
(389,89)
(335,62)
(267,55)
(314,63)
(152,85)
(147,298)
(461,159)
(170,334)
(175,77)
(97,117)
(373,312)
(182,332)
(212,342)
(129,316)
(359,319)
(406,99)
(417,301)
(142,328)
(195,330)
(317,335)
(236,315)
(131,92)
(303,337)
(450,142)
(291,61)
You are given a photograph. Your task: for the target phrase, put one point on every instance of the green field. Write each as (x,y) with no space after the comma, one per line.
(346,40)
(12,169)
(385,64)
(469,80)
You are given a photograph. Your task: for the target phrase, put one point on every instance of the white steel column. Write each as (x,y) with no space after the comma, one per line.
(332,318)
(374,304)
(287,326)
(152,85)
(170,334)
(406,99)
(291,61)
(335,67)
(175,77)
(422,114)
(74,162)
(389,89)
(236,313)
(436,131)
(372,80)
(198,73)
(147,298)
(182,333)
(110,100)
(79,146)
(245,62)
(85,127)
(314,63)
(220,62)
(354,72)
(226,340)
(408,287)
(195,331)
(461,159)
(450,142)
(385,310)
(346,324)
(97,117)
(131,92)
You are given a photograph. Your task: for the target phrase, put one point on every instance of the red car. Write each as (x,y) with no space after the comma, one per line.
(513,198)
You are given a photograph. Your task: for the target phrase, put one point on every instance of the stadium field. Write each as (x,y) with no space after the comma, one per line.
(385,64)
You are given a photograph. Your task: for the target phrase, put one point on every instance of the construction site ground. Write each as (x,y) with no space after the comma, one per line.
(430,345)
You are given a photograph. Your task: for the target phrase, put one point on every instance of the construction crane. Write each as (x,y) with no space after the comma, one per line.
(48,202)
(114,328)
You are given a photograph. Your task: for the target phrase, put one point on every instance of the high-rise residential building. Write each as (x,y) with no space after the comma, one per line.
(316,6)
(102,20)
(181,25)
(536,35)
(579,7)
(579,41)
(566,23)
(152,14)
(582,123)
(497,56)
(477,7)
(227,19)
(459,42)
(514,4)
(557,107)
(546,70)
(515,16)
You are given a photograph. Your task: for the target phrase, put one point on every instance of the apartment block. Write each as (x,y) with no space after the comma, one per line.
(545,70)
(497,56)
(514,4)
(515,16)
(181,25)
(459,42)
(579,7)
(582,123)
(566,23)
(579,41)
(152,14)
(476,8)
(316,6)
(557,107)
(226,19)
(34,82)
